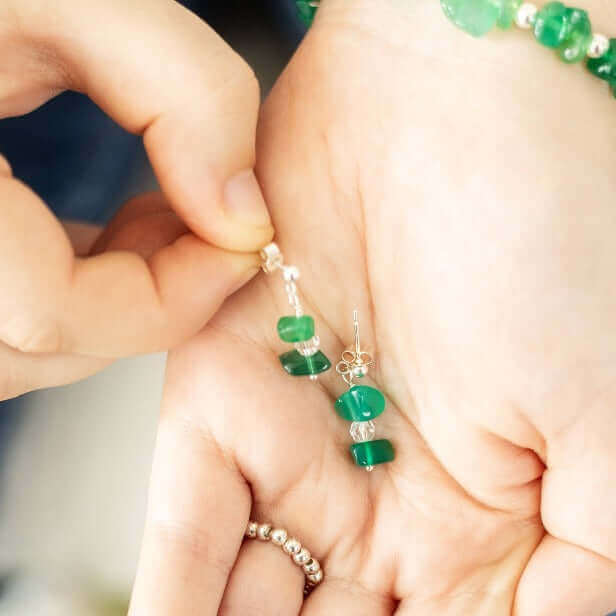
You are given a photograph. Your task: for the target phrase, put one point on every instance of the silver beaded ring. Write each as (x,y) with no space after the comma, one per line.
(291,546)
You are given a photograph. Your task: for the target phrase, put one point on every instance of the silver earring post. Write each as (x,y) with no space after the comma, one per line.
(354,364)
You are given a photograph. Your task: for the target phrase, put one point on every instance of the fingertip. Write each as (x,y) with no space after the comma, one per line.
(194,278)
(240,221)
(238,262)
(244,238)
(243,279)
(243,265)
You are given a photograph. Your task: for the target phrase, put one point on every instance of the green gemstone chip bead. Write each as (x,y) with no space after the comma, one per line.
(296,329)
(578,38)
(306,11)
(371,453)
(605,66)
(297,364)
(477,17)
(564,28)
(552,25)
(360,403)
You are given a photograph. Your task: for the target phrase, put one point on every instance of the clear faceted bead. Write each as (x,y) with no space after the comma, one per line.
(308,347)
(362,431)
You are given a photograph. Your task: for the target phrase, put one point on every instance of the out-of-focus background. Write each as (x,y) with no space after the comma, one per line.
(74,461)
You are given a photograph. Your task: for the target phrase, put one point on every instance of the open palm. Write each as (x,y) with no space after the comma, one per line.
(480,257)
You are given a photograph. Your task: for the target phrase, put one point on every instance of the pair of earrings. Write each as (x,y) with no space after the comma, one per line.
(361,404)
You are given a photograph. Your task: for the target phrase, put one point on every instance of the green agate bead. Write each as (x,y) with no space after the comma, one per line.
(566,29)
(552,25)
(508,12)
(298,365)
(605,66)
(360,403)
(371,453)
(296,329)
(477,17)
(578,38)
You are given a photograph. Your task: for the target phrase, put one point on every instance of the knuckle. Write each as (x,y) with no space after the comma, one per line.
(242,83)
(190,540)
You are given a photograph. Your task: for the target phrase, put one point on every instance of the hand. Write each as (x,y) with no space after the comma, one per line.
(168,260)
(447,189)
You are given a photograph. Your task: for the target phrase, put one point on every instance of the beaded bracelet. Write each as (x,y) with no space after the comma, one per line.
(563,28)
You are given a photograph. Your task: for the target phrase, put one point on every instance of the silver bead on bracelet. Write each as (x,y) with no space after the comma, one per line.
(291,546)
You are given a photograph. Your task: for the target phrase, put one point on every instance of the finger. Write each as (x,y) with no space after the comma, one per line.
(82,236)
(338,596)
(586,582)
(197,513)
(264,581)
(110,305)
(178,83)
(144,225)
(25,372)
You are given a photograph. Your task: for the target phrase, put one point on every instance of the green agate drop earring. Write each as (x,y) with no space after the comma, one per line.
(361,405)
(298,328)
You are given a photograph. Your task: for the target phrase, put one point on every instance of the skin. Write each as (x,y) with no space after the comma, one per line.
(460,194)
(169,259)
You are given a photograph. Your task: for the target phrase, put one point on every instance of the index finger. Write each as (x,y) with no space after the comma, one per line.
(159,71)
